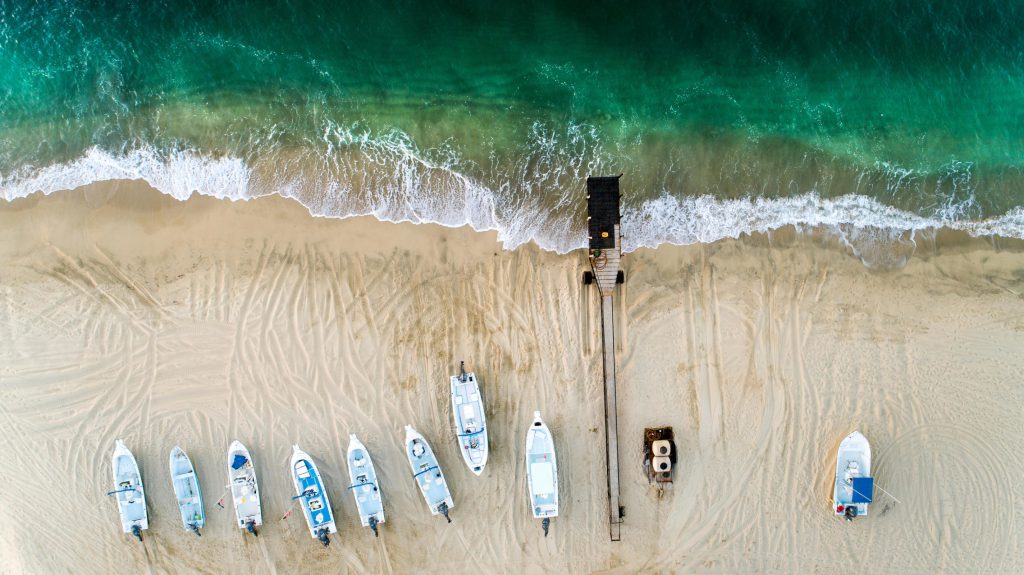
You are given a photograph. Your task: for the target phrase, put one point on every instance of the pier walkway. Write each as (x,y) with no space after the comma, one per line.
(605,251)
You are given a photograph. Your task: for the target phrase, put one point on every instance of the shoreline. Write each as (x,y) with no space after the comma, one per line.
(656,220)
(125,313)
(887,244)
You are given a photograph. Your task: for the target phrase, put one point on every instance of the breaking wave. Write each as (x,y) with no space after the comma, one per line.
(389,180)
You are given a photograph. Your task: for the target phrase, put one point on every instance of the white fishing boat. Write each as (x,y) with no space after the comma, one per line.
(131,496)
(187,491)
(541,472)
(245,492)
(470,421)
(427,473)
(854,486)
(311,494)
(364,485)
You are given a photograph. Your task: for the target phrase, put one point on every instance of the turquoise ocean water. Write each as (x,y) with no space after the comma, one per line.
(725,116)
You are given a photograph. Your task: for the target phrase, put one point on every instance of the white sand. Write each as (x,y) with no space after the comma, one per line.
(124,314)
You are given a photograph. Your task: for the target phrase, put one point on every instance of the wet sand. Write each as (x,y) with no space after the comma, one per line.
(127,314)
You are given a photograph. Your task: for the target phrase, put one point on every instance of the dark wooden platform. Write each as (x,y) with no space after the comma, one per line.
(602,211)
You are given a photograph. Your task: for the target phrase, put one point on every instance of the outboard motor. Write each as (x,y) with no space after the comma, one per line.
(195,529)
(322,536)
(546,524)
(136,531)
(443,508)
(373,525)
(850,513)
(250,526)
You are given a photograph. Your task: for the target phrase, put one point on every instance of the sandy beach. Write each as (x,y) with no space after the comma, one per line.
(128,314)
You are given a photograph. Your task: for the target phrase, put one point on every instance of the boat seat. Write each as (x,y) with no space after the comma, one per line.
(458,400)
(542,478)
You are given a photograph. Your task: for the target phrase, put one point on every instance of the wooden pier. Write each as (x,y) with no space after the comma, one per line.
(605,251)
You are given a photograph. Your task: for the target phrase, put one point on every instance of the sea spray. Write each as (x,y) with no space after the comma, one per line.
(408,188)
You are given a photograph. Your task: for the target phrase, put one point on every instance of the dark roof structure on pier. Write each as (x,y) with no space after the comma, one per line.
(603,210)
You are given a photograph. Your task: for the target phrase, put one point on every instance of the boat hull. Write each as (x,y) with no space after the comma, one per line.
(427,473)
(130,492)
(245,492)
(541,469)
(186,490)
(470,421)
(364,485)
(853,460)
(311,494)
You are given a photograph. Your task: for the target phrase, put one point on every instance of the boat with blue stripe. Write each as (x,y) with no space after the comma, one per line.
(131,496)
(186,491)
(312,496)
(365,488)
(470,420)
(427,473)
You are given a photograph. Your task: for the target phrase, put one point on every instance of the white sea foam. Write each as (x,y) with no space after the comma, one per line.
(177,173)
(668,219)
(408,185)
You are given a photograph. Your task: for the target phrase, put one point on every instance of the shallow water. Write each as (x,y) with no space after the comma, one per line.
(725,117)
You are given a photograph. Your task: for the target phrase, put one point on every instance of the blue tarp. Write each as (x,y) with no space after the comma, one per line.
(863,489)
(239,461)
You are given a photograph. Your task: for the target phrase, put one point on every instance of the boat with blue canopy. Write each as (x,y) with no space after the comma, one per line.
(312,496)
(854,487)
(245,492)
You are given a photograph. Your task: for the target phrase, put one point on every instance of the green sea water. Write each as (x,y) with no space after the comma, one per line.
(724,116)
